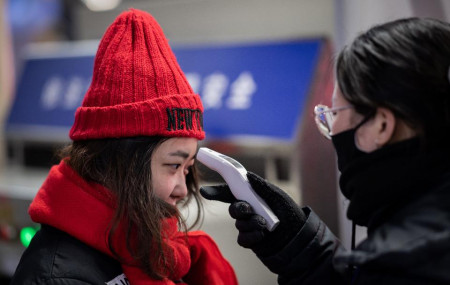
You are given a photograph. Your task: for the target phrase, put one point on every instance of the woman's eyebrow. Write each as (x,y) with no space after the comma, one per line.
(180,153)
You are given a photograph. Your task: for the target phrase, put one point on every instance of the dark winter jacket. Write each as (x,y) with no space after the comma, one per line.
(56,258)
(413,250)
(408,238)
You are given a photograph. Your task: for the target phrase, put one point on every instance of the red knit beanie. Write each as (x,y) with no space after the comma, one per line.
(138,88)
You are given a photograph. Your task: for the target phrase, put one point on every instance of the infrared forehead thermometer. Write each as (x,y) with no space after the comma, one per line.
(235,175)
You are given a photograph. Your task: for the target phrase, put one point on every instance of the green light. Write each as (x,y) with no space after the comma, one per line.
(26,235)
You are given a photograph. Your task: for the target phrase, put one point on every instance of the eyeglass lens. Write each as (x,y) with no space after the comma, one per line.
(323,120)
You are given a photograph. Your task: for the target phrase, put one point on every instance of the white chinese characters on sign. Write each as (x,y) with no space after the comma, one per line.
(60,93)
(51,93)
(241,92)
(214,87)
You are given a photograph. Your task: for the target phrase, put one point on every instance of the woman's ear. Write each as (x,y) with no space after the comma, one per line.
(377,132)
(386,122)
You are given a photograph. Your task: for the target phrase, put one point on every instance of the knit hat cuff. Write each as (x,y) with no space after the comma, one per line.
(179,115)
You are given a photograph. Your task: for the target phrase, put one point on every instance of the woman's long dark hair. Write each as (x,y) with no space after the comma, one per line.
(123,166)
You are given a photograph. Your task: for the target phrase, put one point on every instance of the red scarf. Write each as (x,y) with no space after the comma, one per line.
(84,210)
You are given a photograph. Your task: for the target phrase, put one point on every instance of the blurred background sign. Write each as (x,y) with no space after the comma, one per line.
(49,91)
(252,90)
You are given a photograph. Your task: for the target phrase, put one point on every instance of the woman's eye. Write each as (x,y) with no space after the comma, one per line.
(174,166)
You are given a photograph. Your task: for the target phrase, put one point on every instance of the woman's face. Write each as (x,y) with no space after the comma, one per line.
(381,129)
(171,162)
(367,135)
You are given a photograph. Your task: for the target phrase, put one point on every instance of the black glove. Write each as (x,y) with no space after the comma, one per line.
(252,231)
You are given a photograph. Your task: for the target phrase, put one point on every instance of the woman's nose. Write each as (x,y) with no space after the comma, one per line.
(180,190)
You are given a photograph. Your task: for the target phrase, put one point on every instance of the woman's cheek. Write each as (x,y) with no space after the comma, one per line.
(166,188)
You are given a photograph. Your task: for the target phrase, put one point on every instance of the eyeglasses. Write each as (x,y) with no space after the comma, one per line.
(325,117)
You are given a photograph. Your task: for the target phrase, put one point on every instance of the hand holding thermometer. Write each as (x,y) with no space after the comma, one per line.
(235,175)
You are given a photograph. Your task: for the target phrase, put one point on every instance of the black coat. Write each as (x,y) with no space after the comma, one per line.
(55,258)
(411,247)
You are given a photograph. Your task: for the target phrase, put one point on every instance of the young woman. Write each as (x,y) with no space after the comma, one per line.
(109,210)
(389,124)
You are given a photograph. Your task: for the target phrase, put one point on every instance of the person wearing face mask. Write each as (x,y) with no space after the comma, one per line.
(390,125)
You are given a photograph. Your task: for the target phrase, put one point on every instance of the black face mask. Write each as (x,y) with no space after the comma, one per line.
(345,146)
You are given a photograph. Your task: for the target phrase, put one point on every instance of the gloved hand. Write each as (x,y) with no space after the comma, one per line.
(252,231)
